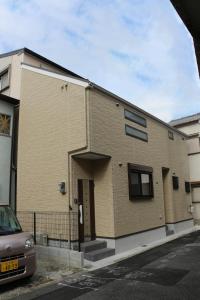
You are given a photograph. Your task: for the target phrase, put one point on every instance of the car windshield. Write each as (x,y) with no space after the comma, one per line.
(8,222)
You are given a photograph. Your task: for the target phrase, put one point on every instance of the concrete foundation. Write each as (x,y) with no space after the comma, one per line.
(136,240)
(60,256)
(181,226)
(147,237)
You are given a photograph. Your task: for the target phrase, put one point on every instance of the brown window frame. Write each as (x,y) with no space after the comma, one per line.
(139,169)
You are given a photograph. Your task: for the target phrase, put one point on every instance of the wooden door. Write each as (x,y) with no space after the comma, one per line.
(86,210)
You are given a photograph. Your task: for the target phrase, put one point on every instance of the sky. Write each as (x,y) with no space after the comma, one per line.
(137,49)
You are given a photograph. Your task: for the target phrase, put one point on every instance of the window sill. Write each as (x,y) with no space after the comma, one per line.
(132,198)
(5,135)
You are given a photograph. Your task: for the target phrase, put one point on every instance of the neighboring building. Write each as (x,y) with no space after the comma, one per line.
(8,149)
(189,12)
(125,169)
(191,126)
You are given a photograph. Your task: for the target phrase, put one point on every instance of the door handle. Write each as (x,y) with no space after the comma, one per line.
(81,213)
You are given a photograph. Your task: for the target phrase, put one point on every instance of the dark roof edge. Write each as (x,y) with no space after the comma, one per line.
(9,99)
(185,118)
(46,60)
(12,53)
(28,51)
(136,108)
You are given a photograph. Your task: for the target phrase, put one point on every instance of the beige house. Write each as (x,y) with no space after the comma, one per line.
(191,126)
(83,148)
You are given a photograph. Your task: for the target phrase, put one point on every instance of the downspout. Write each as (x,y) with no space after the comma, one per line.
(70,153)
(13,158)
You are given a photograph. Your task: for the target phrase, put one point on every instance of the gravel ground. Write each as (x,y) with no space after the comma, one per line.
(44,276)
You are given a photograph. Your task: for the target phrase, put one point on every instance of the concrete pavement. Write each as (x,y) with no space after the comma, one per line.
(170,271)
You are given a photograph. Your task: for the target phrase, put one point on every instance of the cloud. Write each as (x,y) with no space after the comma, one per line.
(138,49)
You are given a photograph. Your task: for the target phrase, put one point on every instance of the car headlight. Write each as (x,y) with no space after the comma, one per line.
(29,243)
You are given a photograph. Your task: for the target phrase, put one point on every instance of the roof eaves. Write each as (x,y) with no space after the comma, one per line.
(30,52)
(186,119)
(44,59)
(11,53)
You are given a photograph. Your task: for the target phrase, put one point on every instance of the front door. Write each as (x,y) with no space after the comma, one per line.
(86,210)
(166,194)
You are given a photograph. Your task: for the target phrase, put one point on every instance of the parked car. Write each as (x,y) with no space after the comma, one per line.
(17,253)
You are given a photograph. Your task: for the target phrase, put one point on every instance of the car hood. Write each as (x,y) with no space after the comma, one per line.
(13,244)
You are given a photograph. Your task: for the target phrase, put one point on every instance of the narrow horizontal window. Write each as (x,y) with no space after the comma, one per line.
(140,183)
(4,80)
(5,122)
(170,135)
(175,182)
(187,187)
(129,115)
(134,132)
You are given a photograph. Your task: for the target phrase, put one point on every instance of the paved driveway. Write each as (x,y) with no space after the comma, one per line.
(171,271)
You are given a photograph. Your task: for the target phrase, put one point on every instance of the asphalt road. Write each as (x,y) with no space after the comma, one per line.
(170,272)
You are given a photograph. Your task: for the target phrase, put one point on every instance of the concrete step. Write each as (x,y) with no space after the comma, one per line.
(93,245)
(99,254)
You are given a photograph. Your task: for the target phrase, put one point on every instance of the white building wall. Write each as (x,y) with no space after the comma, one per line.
(194,164)
(5,156)
(190,129)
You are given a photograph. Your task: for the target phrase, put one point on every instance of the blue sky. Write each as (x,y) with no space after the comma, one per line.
(138,49)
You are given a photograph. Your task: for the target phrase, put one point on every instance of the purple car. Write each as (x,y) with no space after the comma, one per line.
(17,253)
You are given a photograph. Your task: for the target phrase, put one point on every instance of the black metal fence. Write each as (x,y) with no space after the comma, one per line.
(58,229)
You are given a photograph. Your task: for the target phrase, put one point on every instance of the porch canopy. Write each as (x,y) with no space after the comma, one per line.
(91,156)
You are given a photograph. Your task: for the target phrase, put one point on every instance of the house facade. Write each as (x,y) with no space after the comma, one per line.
(191,126)
(8,150)
(82,148)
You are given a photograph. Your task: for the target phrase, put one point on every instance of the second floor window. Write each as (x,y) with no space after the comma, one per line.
(4,80)
(131,116)
(134,132)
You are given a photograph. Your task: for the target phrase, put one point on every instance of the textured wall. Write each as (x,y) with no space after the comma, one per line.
(108,137)
(52,122)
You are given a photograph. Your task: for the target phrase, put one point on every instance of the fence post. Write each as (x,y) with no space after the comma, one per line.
(79,238)
(34,226)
